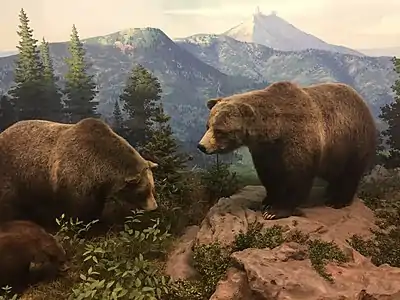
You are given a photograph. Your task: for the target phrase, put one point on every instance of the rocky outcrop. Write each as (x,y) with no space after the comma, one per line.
(286,272)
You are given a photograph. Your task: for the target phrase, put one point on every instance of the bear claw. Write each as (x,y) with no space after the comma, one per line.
(270,213)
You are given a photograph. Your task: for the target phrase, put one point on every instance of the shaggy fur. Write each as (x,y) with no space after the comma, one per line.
(295,134)
(28,254)
(49,168)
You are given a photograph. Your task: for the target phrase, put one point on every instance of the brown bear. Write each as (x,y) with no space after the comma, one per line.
(28,255)
(49,168)
(295,134)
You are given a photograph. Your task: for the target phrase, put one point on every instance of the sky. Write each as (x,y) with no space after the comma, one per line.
(354,23)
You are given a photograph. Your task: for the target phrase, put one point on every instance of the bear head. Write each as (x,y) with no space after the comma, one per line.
(49,259)
(139,189)
(226,126)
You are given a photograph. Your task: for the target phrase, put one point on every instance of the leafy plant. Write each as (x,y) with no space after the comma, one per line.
(320,252)
(219,181)
(6,294)
(115,267)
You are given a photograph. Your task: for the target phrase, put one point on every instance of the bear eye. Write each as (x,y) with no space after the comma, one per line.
(218,131)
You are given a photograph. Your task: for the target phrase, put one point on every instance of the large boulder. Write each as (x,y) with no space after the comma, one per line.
(286,272)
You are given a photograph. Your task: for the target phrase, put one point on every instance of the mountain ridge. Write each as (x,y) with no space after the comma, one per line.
(275,32)
(204,66)
(371,76)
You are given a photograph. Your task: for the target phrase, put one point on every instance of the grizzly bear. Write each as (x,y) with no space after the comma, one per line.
(28,255)
(295,134)
(49,168)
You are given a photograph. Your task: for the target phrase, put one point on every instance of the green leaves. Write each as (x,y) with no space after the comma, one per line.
(116,267)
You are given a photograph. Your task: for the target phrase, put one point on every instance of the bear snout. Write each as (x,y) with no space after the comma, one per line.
(202,148)
(151,203)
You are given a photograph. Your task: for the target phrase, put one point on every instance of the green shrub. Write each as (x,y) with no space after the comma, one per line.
(255,237)
(117,266)
(219,181)
(6,294)
(320,252)
(383,196)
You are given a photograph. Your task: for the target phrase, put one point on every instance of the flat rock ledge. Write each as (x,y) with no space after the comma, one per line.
(283,273)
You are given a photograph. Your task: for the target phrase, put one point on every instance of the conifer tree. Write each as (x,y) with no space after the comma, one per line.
(141,92)
(7,112)
(28,93)
(117,115)
(80,88)
(391,114)
(162,147)
(55,107)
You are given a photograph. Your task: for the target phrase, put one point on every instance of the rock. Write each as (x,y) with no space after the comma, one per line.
(231,215)
(278,274)
(286,273)
(234,287)
(179,264)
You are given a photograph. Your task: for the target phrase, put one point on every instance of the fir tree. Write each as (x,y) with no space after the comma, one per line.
(55,107)
(28,93)
(152,132)
(117,115)
(7,112)
(80,88)
(118,121)
(141,92)
(391,114)
(162,147)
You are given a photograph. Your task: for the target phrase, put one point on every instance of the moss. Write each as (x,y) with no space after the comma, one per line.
(321,252)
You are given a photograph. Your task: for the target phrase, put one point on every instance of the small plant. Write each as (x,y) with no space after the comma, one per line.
(320,252)
(6,294)
(255,237)
(298,237)
(71,230)
(115,267)
(219,180)
(383,197)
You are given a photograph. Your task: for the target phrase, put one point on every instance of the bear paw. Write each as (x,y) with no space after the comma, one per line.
(271,213)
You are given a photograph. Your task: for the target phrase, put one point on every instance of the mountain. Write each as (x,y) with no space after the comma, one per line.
(7,53)
(389,51)
(186,81)
(202,66)
(274,32)
(371,76)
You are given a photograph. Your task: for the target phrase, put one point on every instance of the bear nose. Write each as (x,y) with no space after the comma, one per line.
(201,148)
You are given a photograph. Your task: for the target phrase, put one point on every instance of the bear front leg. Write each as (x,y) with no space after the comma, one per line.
(287,198)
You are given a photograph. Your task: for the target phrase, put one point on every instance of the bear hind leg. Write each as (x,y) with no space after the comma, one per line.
(341,191)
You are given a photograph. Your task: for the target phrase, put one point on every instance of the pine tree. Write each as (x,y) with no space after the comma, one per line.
(28,93)
(7,112)
(162,147)
(117,115)
(80,88)
(141,92)
(391,114)
(55,107)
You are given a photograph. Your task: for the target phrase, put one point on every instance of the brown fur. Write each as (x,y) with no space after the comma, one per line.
(295,134)
(28,254)
(50,168)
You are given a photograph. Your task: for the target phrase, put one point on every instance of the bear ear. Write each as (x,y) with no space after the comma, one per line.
(212,102)
(152,165)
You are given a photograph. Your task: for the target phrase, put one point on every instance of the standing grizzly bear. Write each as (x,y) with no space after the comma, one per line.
(28,255)
(295,134)
(49,168)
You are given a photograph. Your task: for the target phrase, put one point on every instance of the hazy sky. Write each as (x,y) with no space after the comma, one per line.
(353,23)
